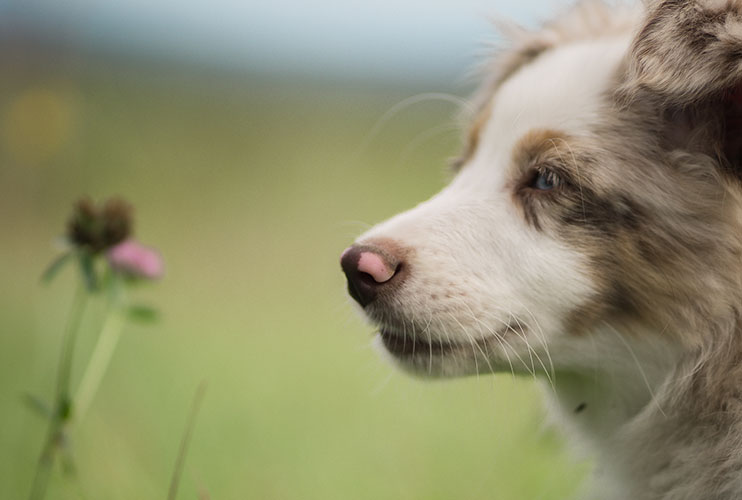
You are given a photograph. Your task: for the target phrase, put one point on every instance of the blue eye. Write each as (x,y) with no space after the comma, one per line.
(544,181)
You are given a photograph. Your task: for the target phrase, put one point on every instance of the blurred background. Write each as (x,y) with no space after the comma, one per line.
(256,140)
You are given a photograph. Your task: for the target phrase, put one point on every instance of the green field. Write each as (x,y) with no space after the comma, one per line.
(251,188)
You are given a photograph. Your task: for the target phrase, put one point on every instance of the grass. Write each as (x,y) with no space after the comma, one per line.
(250,188)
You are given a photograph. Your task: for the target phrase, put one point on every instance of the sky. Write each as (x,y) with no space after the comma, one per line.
(431,37)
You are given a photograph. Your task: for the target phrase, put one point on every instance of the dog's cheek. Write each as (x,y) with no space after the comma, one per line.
(604,232)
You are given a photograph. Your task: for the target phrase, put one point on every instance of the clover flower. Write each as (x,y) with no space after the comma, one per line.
(100,242)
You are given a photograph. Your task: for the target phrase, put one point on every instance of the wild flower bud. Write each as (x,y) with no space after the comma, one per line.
(96,229)
(116,215)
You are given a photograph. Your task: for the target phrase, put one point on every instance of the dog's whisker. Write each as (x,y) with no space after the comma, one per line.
(401,106)
(652,395)
(501,339)
(541,336)
(522,336)
(472,343)
(486,355)
(423,137)
(430,345)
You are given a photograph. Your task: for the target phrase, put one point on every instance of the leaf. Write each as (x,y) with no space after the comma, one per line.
(37,405)
(53,269)
(87,266)
(143,313)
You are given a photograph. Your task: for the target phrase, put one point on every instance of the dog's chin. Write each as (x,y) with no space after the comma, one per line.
(433,359)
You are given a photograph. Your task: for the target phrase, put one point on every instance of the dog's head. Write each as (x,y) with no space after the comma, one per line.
(597,200)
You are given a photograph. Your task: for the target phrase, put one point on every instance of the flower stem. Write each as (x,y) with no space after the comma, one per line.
(62,404)
(99,361)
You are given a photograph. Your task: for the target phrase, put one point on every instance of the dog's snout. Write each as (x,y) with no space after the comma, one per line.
(368,269)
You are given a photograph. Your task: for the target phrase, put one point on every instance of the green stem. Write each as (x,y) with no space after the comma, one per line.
(62,403)
(99,360)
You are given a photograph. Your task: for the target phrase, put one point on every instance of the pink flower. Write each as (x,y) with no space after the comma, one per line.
(136,260)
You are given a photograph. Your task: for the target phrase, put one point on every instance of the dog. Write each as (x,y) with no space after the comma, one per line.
(592,237)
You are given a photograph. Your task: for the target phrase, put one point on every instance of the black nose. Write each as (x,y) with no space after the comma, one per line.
(367,270)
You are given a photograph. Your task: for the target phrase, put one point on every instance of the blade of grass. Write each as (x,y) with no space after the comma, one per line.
(185,441)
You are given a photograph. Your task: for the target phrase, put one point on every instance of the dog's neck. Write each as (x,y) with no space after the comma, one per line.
(617,381)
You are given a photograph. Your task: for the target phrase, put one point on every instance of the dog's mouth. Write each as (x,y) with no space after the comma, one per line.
(403,345)
(423,352)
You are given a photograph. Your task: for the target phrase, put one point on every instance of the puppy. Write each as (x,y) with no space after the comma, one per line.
(592,237)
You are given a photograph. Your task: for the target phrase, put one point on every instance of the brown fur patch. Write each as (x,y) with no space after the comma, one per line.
(536,146)
(564,158)
(687,51)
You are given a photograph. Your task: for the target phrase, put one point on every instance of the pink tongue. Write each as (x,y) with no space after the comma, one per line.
(373,265)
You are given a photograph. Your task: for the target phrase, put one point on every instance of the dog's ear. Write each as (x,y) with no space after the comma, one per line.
(688,50)
(687,60)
